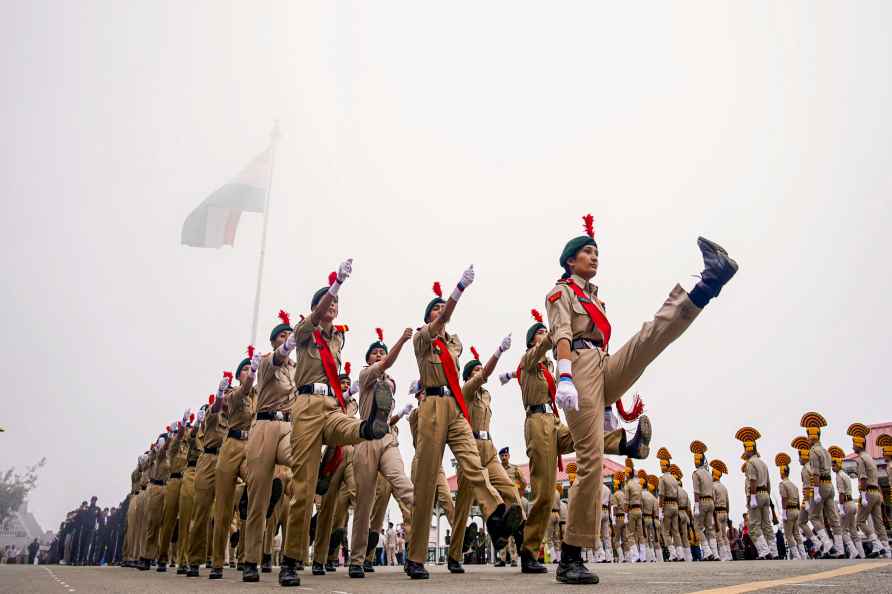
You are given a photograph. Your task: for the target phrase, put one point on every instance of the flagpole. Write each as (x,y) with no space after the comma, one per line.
(274,139)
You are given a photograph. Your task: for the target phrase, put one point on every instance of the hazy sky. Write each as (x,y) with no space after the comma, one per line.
(418,138)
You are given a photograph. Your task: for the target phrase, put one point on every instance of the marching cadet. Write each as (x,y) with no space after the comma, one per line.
(684,513)
(516,476)
(269,440)
(176,459)
(187,494)
(278,516)
(668,487)
(211,437)
(319,412)
(649,506)
(869,488)
(237,409)
(443,418)
(722,511)
(789,498)
(475,374)
(758,491)
(377,459)
(634,517)
(824,495)
(704,504)
(383,491)
(556,522)
(158,473)
(604,545)
(803,445)
(581,333)
(620,534)
(131,556)
(848,512)
(884,442)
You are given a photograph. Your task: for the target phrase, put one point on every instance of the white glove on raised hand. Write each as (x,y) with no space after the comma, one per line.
(467,277)
(345,270)
(506,377)
(161,442)
(754,503)
(285,349)
(221,387)
(503,346)
(406,409)
(255,361)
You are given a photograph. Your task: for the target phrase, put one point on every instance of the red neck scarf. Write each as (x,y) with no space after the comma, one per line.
(597,316)
(451,373)
(330,367)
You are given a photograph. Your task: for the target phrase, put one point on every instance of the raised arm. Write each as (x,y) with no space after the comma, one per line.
(438,325)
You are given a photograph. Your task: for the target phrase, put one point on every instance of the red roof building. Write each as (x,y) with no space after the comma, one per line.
(875,431)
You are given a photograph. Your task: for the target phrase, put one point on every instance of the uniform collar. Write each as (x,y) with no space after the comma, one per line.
(585,285)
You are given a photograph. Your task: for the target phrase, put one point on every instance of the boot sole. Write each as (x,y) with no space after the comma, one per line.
(587,581)
(379,420)
(714,247)
(513,519)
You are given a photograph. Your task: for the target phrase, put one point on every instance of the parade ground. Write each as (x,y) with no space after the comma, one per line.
(739,576)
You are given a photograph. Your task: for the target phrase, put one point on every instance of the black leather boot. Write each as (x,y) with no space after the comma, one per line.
(274,497)
(454,566)
(249,573)
(243,506)
(161,567)
(356,571)
(368,567)
(144,565)
(193,571)
(530,564)
(181,570)
(416,570)
(639,447)
(287,573)
(216,573)
(318,568)
(571,570)
(266,564)
(719,268)
(330,567)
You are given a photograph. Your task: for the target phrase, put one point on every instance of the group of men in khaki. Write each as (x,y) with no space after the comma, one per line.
(297,418)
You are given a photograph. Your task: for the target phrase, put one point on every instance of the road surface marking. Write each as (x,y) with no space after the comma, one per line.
(796,580)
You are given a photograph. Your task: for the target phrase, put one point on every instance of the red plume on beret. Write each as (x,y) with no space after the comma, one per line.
(380,334)
(192,417)
(250,351)
(589,223)
(536,315)
(637,409)
(167,428)
(283,315)
(211,399)
(179,424)
(438,291)
(475,354)
(228,375)
(332,277)
(347,368)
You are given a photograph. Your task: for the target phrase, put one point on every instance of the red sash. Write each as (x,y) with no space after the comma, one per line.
(552,392)
(451,373)
(330,367)
(597,316)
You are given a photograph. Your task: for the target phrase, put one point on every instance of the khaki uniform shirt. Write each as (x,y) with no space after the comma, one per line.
(867,469)
(648,503)
(633,492)
(702,482)
(533,387)
(144,475)
(478,400)
(413,424)
(756,470)
(161,468)
(239,407)
(214,430)
(720,494)
(309,369)
(683,500)
(805,473)
(819,462)
(668,486)
(566,316)
(789,494)
(843,484)
(193,447)
(134,480)
(515,475)
(618,501)
(176,453)
(429,366)
(371,378)
(277,391)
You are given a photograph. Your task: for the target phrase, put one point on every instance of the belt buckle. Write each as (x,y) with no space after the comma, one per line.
(483,434)
(242,434)
(280,416)
(320,389)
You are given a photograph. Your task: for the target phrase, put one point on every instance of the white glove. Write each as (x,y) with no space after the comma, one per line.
(161,442)
(221,387)
(506,377)
(414,387)
(841,509)
(783,515)
(611,423)
(200,416)
(566,396)
(406,410)
(864,499)
(817,495)
(255,361)
(661,514)
(754,503)
(285,349)
(503,346)
(467,277)
(344,272)
(696,509)
(354,388)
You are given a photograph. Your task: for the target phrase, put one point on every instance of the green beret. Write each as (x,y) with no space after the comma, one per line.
(245,361)
(532,332)
(277,329)
(427,310)
(469,367)
(375,345)
(317,297)
(572,248)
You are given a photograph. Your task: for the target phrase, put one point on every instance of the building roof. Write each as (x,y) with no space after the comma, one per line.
(875,431)
(609,467)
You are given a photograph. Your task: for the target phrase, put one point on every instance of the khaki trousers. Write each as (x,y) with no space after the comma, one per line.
(325,521)
(873,510)
(684,522)
(187,497)
(554,532)
(620,534)
(443,495)
(635,528)
(545,438)
(498,478)
(171,509)
(230,466)
(704,523)
(605,533)
(760,518)
(134,512)
(346,501)
(721,532)
(153,511)
(205,477)
(791,527)
(316,421)
(440,422)
(373,462)
(650,532)
(804,526)
(269,443)
(601,379)
(278,519)
(383,490)
(671,537)
(612,442)
(825,512)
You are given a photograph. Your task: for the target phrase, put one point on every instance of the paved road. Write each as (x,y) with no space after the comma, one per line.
(846,577)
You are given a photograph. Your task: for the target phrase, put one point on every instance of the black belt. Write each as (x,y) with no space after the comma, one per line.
(761,489)
(873,488)
(535,409)
(274,416)
(792,507)
(438,391)
(604,507)
(705,496)
(211,450)
(176,475)
(192,463)
(825,477)
(721,509)
(156,482)
(237,434)
(846,497)
(484,435)
(142,488)
(311,389)
(579,344)
(670,499)
(635,506)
